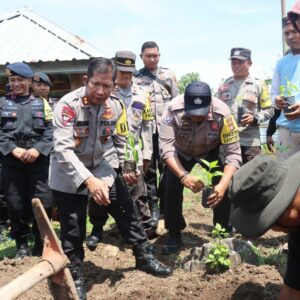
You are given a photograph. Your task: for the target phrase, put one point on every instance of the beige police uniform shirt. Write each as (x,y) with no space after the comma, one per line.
(160,94)
(78,142)
(179,135)
(140,117)
(254,96)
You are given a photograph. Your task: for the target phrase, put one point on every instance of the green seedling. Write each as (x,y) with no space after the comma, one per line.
(132,148)
(209,174)
(218,258)
(288,89)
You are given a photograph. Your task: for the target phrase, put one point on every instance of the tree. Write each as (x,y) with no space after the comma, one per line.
(187,79)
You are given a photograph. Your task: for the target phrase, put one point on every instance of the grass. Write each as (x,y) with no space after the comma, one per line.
(8,245)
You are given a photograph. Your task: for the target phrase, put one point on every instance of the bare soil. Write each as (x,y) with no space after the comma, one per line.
(110,270)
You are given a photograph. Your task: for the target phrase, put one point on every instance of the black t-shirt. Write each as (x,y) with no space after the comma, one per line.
(292,275)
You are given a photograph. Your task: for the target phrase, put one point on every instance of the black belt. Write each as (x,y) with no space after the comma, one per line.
(25,144)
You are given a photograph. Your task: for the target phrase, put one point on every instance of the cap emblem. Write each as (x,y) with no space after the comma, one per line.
(8,72)
(128,62)
(197,101)
(236,52)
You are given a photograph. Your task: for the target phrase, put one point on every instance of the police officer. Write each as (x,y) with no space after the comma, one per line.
(249,101)
(25,143)
(161,84)
(193,127)
(41,87)
(140,119)
(78,168)
(4,222)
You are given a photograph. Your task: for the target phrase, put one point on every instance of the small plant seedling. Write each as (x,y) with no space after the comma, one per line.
(288,89)
(132,147)
(209,174)
(218,258)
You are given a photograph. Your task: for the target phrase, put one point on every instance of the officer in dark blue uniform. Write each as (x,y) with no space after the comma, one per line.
(41,85)
(26,137)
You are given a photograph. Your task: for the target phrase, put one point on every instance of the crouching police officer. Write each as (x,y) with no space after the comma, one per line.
(25,143)
(78,168)
(193,127)
(140,125)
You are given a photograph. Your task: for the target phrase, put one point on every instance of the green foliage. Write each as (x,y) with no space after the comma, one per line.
(257,252)
(276,149)
(268,82)
(186,79)
(208,175)
(288,89)
(131,148)
(218,258)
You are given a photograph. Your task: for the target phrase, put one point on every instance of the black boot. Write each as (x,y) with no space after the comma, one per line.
(94,238)
(173,244)
(4,231)
(78,277)
(22,248)
(38,247)
(155,213)
(145,261)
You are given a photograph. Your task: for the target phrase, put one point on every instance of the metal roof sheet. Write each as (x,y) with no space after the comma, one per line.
(29,37)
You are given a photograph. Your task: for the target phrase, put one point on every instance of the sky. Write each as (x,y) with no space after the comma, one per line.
(193,35)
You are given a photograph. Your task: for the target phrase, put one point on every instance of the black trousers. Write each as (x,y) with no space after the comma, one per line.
(72,211)
(3,205)
(98,214)
(249,152)
(155,190)
(174,219)
(21,183)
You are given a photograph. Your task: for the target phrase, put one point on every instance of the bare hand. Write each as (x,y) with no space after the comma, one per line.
(146,165)
(280,103)
(130,178)
(218,195)
(296,112)
(270,143)
(193,183)
(247,119)
(31,155)
(99,190)
(18,153)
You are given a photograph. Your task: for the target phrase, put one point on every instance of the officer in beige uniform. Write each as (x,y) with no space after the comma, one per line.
(78,168)
(193,127)
(249,101)
(140,125)
(161,84)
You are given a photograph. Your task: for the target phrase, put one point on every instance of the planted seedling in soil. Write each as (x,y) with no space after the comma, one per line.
(218,258)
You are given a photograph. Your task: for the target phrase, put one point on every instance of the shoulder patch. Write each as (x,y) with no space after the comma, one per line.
(122,123)
(68,115)
(229,132)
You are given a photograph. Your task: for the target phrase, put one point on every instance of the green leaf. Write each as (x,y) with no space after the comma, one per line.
(205,162)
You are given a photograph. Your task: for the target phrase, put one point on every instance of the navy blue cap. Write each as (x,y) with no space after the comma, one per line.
(42,77)
(240,53)
(197,98)
(20,69)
